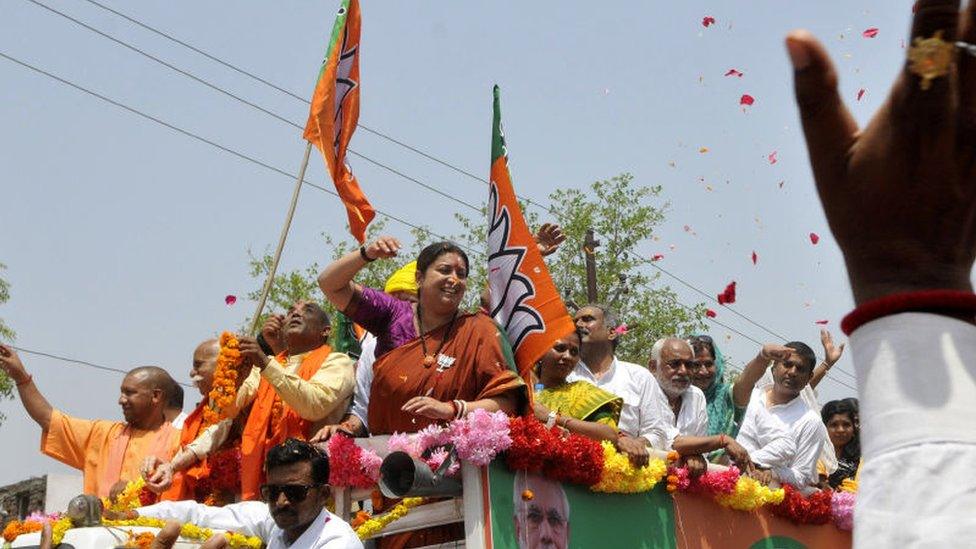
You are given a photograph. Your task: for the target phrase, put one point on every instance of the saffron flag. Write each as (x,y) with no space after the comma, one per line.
(524,300)
(335,111)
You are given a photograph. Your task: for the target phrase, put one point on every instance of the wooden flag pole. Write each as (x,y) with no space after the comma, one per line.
(281,241)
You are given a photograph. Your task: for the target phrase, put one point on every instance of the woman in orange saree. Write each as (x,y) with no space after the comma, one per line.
(434,363)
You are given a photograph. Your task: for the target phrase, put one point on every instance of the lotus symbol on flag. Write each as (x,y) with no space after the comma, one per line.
(512,287)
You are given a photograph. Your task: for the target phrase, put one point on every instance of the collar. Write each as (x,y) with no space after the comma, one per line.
(770,405)
(311,533)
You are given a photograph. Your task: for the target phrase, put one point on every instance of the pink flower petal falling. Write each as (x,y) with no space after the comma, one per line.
(860,94)
(814,238)
(230,299)
(870,33)
(728,294)
(755,257)
(747,99)
(657,257)
(708,21)
(620,330)
(710,313)
(822,322)
(733,72)
(772,157)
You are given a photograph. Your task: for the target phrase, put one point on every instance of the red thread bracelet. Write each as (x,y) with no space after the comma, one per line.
(954,303)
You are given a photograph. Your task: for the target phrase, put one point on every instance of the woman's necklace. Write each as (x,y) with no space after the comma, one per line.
(430,359)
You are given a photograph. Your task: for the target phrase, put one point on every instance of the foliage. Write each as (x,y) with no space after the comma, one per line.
(618,210)
(6,335)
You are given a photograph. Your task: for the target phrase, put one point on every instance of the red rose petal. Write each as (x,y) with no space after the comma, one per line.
(710,313)
(822,322)
(747,99)
(870,33)
(860,94)
(657,257)
(727,295)
(755,257)
(814,238)
(708,21)
(230,299)
(733,72)
(772,157)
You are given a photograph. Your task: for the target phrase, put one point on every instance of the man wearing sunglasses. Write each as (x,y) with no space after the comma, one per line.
(292,513)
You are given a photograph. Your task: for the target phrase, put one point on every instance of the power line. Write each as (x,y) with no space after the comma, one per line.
(370,130)
(77,361)
(215,144)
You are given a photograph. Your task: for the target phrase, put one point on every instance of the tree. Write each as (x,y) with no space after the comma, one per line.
(618,210)
(6,335)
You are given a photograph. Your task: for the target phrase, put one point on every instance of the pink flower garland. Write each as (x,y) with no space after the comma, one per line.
(842,509)
(480,436)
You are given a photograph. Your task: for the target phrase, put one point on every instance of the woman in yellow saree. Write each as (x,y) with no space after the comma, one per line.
(579,407)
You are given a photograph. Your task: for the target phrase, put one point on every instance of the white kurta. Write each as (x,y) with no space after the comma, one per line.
(252,518)
(917,378)
(644,402)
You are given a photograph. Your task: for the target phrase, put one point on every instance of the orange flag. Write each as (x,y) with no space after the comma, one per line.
(335,112)
(524,300)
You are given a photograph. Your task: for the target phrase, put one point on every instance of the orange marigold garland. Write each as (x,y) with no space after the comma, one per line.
(224,389)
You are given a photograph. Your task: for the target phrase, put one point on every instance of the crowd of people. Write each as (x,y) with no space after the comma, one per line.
(900,198)
(425,360)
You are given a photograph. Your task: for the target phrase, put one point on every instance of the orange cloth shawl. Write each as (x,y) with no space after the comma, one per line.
(262,431)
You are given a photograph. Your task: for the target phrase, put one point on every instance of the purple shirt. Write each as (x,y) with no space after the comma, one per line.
(386,317)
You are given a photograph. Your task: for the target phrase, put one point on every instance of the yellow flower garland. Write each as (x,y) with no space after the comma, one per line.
(620,476)
(750,494)
(375,525)
(128,499)
(187,531)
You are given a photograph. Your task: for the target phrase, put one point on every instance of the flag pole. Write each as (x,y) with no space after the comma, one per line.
(281,240)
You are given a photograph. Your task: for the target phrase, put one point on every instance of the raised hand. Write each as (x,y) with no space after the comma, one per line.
(548,238)
(832,353)
(383,247)
(772,351)
(252,354)
(272,331)
(11,365)
(899,194)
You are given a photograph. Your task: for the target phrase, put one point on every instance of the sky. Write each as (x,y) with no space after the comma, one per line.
(122,237)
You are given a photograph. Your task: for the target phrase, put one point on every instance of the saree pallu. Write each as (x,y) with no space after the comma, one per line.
(471,365)
(584,401)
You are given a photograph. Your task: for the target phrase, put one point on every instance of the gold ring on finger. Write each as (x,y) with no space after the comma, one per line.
(930,58)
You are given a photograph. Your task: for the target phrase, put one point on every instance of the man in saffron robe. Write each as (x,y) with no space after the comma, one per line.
(292,394)
(105,451)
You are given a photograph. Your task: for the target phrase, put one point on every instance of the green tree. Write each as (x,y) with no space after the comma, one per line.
(6,335)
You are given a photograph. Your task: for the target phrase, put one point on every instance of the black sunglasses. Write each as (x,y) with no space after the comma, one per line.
(294,492)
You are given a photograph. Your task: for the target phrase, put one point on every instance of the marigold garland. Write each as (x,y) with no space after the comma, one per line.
(133,495)
(191,532)
(750,494)
(224,389)
(375,525)
(620,476)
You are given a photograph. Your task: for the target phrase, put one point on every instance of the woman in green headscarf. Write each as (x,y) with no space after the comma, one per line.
(579,407)
(724,416)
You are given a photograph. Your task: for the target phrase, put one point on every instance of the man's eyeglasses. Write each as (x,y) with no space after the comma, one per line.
(294,492)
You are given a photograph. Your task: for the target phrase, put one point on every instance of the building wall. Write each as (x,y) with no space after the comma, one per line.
(22,498)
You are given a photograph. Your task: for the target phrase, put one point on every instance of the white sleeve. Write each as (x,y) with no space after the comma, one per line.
(364,382)
(803,469)
(699,425)
(250,517)
(654,415)
(777,447)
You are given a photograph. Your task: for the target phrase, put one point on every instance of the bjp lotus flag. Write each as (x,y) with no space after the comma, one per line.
(335,111)
(524,300)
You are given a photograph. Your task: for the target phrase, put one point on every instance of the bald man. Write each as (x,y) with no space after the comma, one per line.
(106,451)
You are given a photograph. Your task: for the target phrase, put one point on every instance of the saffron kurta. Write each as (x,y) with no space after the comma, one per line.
(89,445)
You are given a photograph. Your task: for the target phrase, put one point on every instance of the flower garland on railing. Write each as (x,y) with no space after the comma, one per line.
(135,494)
(224,389)
(188,531)
(374,525)
(527,445)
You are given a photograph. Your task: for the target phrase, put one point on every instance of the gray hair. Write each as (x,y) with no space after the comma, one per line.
(657,348)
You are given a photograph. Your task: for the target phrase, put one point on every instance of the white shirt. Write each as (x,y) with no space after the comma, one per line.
(762,432)
(916,374)
(364,379)
(179,420)
(644,402)
(252,518)
(692,417)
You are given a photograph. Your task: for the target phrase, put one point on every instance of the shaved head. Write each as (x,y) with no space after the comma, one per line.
(204,364)
(154,376)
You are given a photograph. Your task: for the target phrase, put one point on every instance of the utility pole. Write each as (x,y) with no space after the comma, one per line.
(590,245)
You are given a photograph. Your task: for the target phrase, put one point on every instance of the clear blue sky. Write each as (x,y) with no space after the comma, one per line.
(122,237)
